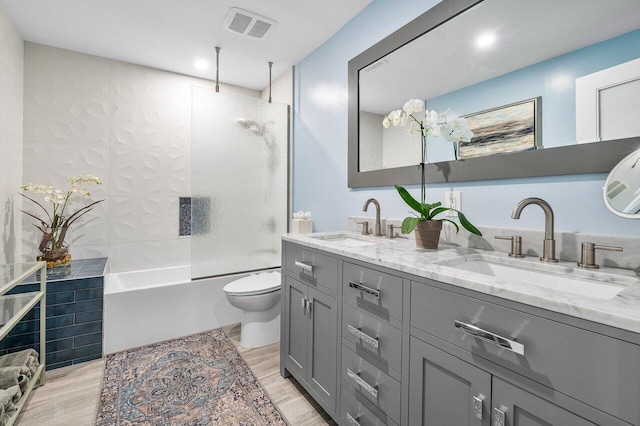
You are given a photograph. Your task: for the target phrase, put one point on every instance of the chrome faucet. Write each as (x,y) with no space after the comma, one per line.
(549,247)
(378,228)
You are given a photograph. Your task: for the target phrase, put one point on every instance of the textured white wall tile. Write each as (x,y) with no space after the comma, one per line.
(149,255)
(9,229)
(53,163)
(11,114)
(135,83)
(10,162)
(143,219)
(88,252)
(51,116)
(149,127)
(136,172)
(66,71)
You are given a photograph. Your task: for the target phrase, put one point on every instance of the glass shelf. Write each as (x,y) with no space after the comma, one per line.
(14,307)
(14,273)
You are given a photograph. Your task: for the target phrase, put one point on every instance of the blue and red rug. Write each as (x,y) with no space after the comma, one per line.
(194,380)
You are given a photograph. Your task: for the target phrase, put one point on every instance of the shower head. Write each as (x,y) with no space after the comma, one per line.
(253,126)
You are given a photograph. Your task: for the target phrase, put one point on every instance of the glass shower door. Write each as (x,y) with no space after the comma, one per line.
(239,165)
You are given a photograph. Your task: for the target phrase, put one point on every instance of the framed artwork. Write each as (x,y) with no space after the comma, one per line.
(509,128)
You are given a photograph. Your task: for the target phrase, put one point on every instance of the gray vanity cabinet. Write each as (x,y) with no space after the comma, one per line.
(513,406)
(445,390)
(310,323)
(376,346)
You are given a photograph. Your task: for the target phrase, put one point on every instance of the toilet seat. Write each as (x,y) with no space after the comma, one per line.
(261,283)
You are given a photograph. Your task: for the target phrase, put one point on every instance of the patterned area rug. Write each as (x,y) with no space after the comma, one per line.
(195,380)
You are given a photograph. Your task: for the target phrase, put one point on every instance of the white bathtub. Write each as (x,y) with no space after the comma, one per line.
(143,307)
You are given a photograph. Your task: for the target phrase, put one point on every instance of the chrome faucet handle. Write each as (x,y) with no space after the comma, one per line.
(516,244)
(588,256)
(391,230)
(365,227)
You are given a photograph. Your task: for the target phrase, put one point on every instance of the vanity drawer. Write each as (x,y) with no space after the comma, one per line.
(312,267)
(377,387)
(373,337)
(596,369)
(356,413)
(374,291)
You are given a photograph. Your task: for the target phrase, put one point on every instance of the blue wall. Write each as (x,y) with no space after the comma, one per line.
(320,149)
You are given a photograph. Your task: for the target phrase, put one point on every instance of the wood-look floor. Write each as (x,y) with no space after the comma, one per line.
(70,396)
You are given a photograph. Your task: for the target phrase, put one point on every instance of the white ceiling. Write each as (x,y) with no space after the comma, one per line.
(173,34)
(527,32)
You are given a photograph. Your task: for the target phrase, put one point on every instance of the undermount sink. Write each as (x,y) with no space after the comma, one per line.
(349,240)
(592,284)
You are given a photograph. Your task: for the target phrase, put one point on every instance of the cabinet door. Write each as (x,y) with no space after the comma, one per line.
(297,334)
(445,390)
(513,406)
(322,345)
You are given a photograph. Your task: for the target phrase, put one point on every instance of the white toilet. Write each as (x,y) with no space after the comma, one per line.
(258,295)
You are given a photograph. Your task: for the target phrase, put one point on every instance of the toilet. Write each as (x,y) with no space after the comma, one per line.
(258,295)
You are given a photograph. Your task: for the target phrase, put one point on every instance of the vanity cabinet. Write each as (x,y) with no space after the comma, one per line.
(311,327)
(378,346)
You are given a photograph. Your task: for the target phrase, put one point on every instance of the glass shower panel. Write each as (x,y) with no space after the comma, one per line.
(239,165)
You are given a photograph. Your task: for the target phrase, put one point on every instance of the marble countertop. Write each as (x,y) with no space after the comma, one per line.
(400,254)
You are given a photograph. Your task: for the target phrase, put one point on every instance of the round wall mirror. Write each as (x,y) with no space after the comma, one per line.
(621,190)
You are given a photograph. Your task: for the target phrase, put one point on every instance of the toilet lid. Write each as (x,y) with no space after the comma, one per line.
(263,282)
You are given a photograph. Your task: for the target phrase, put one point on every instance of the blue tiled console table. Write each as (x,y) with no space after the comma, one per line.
(74,315)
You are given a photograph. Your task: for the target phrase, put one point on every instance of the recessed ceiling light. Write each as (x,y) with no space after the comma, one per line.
(486,40)
(201,64)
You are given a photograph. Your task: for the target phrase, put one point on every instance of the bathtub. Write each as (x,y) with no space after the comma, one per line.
(149,306)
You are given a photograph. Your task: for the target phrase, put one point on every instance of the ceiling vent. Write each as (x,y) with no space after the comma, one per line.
(248,23)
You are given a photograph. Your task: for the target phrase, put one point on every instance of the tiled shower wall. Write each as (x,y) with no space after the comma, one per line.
(11,82)
(127,124)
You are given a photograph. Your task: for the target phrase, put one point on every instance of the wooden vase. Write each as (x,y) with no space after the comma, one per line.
(427,234)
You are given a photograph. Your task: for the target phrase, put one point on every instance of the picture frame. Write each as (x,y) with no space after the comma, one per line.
(508,128)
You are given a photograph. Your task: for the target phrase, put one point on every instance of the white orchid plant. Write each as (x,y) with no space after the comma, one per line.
(454,130)
(54,225)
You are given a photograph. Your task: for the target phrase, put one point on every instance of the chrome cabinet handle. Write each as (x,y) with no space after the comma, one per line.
(352,421)
(365,289)
(304,304)
(477,402)
(372,390)
(309,305)
(487,336)
(499,416)
(373,341)
(305,266)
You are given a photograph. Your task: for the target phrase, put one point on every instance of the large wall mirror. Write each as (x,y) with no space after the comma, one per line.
(562,78)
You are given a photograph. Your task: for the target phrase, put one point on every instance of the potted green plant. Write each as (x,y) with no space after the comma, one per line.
(427,227)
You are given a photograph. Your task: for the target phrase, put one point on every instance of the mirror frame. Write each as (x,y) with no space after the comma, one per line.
(596,157)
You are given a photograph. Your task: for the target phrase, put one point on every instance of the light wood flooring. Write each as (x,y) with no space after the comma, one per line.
(70,396)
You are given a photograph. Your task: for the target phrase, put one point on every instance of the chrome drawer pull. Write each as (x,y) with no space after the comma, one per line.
(305,266)
(486,336)
(352,421)
(499,416)
(364,385)
(365,337)
(365,289)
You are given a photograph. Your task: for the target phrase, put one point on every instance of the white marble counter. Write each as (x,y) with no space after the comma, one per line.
(621,311)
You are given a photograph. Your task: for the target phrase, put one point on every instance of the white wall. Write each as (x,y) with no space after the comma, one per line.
(128,124)
(11,81)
